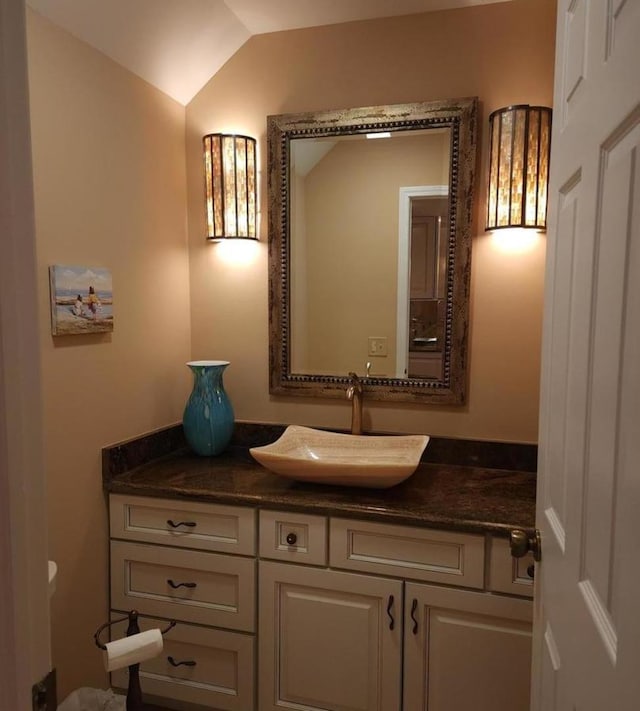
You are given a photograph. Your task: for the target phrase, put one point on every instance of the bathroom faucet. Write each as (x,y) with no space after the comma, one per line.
(355,394)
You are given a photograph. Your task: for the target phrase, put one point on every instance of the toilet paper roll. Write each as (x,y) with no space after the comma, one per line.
(132,650)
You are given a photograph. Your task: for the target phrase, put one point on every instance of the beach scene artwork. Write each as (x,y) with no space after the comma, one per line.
(81,300)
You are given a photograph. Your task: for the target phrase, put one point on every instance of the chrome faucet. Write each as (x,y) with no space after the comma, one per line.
(355,394)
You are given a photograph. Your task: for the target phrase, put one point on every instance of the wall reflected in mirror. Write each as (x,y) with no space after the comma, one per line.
(369,242)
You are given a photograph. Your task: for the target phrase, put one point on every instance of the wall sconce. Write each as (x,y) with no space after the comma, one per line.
(230,186)
(519,150)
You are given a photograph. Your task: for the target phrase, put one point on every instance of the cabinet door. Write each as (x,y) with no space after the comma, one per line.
(465,650)
(328,640)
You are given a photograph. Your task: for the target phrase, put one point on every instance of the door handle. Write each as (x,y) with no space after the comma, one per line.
(414,607)
(175,585)
(521,542)
(186,663)
(389,608)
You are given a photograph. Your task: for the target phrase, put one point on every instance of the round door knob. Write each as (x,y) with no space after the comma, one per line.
(519,543)
(292,539)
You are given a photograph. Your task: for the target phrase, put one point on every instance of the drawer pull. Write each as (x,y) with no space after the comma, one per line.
(414,607)
(292,539)
(175,586)
(389,608)
(173,524)
(188,663)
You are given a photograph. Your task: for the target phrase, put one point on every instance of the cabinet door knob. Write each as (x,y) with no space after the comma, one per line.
(414,607)
(389,608)
(531,571)
(292,539)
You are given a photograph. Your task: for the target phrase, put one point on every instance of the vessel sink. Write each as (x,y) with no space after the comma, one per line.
(376,462)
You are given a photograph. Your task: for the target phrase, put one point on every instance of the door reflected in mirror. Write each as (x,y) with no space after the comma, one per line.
(427,287)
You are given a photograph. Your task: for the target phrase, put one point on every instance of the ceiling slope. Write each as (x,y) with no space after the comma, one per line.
(178,45)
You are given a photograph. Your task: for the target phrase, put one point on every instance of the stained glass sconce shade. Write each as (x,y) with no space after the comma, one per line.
(519,149)
(230,186)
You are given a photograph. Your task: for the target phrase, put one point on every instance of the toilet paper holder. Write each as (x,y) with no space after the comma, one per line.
(134,691)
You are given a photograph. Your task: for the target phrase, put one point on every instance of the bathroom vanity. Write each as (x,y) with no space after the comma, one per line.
(292,595)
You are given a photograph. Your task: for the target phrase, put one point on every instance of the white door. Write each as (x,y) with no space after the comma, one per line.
(24,600)
(587,632)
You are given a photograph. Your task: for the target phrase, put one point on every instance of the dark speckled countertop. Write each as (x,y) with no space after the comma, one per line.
(440,494)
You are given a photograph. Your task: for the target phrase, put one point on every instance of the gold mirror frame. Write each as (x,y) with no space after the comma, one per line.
(460,116)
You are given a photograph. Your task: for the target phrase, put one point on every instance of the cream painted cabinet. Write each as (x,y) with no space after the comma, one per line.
(465,650)
(194,563)
(351,615)
(328,639)
(396,635)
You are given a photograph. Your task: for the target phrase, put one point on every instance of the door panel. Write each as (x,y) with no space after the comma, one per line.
(587,631)
(328,640)
(465,650)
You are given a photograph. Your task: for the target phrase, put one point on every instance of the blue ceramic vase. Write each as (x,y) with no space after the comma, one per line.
(208,415)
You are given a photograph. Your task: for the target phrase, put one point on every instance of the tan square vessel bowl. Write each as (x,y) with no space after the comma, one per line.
(376,462)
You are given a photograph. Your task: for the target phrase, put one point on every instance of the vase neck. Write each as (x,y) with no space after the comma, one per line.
(205,374)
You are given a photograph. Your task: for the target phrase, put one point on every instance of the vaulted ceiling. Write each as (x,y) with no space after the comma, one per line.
(178,45)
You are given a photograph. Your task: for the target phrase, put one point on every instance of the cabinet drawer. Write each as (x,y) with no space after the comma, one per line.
(298,538)
(408,552)
(506,573)
(221,678)
(187,524)
(205,588)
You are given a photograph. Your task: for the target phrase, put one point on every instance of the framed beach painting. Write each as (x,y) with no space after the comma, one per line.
(81,300)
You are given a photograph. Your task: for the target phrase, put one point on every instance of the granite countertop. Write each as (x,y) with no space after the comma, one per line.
(462,497)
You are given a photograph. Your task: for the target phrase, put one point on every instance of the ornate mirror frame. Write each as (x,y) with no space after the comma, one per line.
(460,116)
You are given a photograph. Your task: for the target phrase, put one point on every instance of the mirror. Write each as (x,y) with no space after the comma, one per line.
(369,250)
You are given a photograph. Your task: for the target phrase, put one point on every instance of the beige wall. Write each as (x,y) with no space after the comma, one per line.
(503,54)
(110,190)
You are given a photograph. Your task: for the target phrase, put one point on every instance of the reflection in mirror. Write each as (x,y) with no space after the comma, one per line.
(369,250)
(428,252)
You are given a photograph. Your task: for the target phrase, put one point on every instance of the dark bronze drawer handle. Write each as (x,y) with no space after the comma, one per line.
(389,608)
(173,524)
(175,586)
(414,607)
(189,663)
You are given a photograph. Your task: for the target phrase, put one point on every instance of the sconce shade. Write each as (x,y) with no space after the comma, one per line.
(519,150)
(230,186)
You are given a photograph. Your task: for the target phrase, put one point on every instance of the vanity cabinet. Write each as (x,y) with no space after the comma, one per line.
(349,614)
(380,639)
(194,563)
